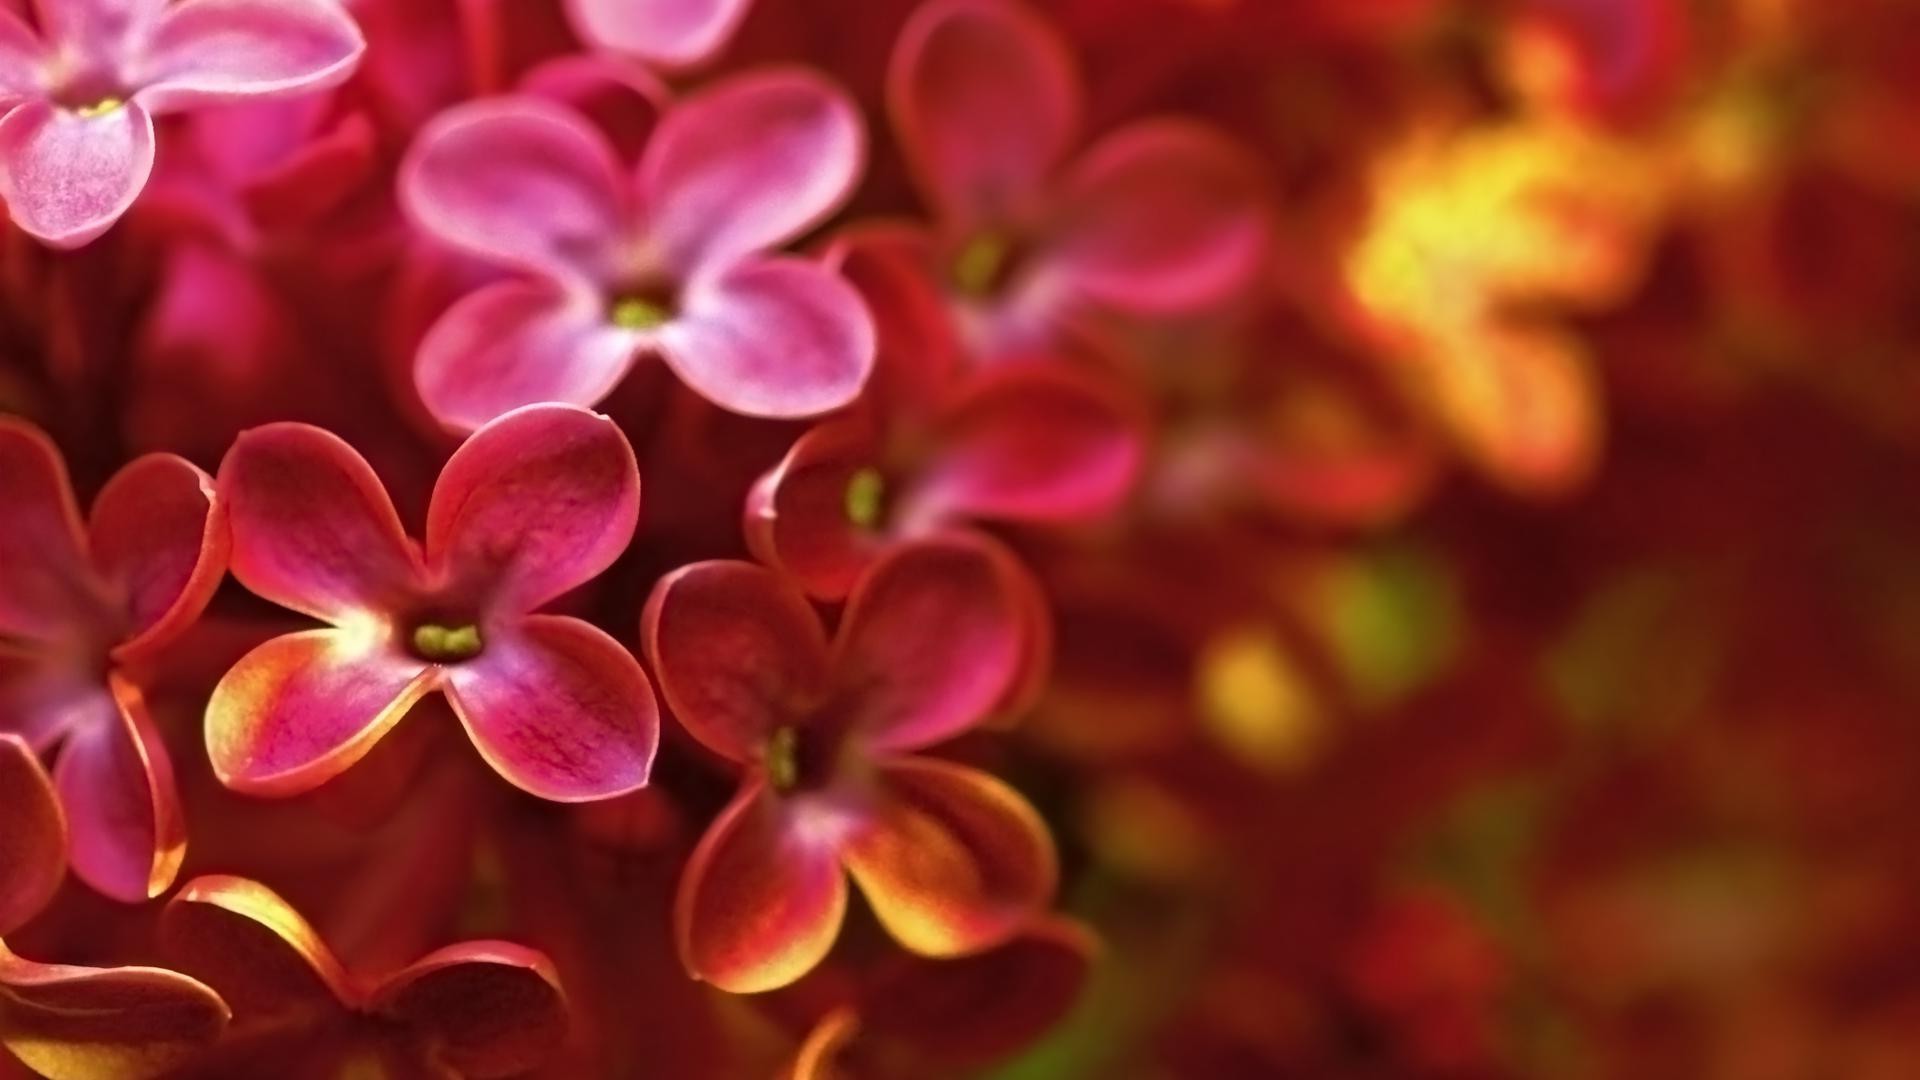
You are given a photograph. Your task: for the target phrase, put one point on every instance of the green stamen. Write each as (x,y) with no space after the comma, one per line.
(783,759)
(980,263)
(633,313)
(442,643)
(865,490)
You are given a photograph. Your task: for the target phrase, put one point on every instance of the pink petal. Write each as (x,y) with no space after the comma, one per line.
(737,651)
(67,178)
(559,709)
(749,164)
(46,584)
(954,861)
(69,1022)
(891,265)
(623,102)
(518,181)
(515,343)
(488,1008)
(33,846)
(536,503)
(22,56)
(668,33)
(1162,217)
(1034,443)
(95,29)
(302,708)
(313,529)
(158,532)
(797,520)
(252,947)
(985,102)
(760,901)
(205,52)
(771,337)
(933,638)
(42,698)
(116,783)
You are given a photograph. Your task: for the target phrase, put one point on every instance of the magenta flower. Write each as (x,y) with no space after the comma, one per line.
(534,504)
(79,96)
(672,260)
(81,605)
(664,33)
(951,860)
(1162,216)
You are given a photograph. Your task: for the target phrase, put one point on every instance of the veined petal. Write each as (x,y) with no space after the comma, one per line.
(737,651)
(252,947)
(985,102)
(313,529)
(33,846)
(771,337)
(116,784)
(45,581)
(797,518)
(669,33)
(559,709)
(489,1008)
(67,178)
(159,533)
(516,343)
(749,164)
(303,708)
(953,861)
(761,900)
(203,52)
(82,1023)
(536,503)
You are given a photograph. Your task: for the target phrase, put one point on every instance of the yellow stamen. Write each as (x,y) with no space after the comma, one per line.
(99,108)
(633,313)
(783,759)
(980,263)
(441,643)
(865,490)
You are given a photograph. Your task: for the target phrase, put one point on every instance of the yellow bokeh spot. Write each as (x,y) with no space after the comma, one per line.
(1257,702)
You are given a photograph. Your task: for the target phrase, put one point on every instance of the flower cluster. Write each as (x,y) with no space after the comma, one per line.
(1179,537)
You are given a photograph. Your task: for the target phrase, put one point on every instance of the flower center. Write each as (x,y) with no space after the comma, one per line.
(637,313)
(101,107)
(865,497)
(445,644)
(783,760)
(984,264)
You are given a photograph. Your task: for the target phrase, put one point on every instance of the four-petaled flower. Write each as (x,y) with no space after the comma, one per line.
(82,607)
(951,860)
(671,260)
(531,506)
(80,94)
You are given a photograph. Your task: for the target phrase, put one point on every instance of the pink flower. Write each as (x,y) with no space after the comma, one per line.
(951,860)
(536,503)
(1159,217)
(671,260)
(665,33)
(58,1018)
(80,95)
(79,606)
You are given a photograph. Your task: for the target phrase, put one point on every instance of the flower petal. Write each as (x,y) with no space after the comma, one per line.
(46,582)
(985,101)
(669,33)
(33,846)
(538,502)
(252,947)
(302,708)
(116,784)
(818,1057)
(772,337)
(1162,217)
(22,56)
(797,518)
(518,181)
(516,343)
(933,637)
(760,901)
(749,164)
(209,52)
(953,861)
(737,651)
(313,529)
(80,1023)
(159,533)
(67,178)
(489,1008)
(559,709)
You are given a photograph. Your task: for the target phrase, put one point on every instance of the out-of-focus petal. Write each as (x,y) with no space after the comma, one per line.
(1164,216)
(517,181)
(737,651)
(253,947)
(516,343)
(985,102)
(21,56)
(45,579)
(534,504)
(933,639)
(123,809)
(953,861)
(797,518)
(670,33)
(771,337)
(749,164)
(818,1057)
(158,532)
(303,708)
(82,1023)
(312,527)
(489,1008)
(891,265)
(209,52)
(67,178)
(559,709)
(33,846)
(761,899)
(93,28)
